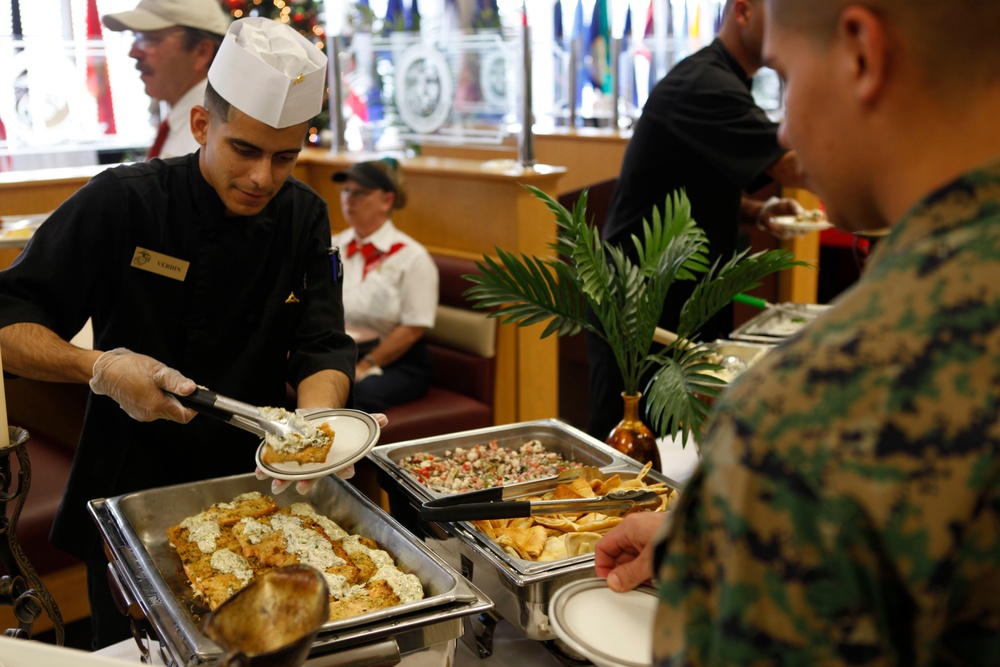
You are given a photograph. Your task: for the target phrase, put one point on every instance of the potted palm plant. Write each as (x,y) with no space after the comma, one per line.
(627,298)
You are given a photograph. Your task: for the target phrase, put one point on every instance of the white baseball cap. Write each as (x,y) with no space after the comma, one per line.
(270,72)
(206,15)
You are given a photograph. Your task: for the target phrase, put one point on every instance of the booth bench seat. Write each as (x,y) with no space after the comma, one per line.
(462,345)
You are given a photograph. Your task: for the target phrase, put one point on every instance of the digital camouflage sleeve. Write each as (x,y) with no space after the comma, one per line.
(847,510)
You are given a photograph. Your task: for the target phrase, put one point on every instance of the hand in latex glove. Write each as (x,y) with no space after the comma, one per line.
(304,486)
(775,207)
(137,383)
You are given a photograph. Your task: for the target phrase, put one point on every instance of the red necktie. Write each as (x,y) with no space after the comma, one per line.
(371,254)
(161,137)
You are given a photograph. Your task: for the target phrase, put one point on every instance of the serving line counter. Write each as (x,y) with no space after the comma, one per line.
(511,647)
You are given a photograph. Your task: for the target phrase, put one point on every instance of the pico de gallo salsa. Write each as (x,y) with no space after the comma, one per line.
(485,466)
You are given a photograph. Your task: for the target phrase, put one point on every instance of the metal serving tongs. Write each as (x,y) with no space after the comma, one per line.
(501,502)
(239,414)
(623,502)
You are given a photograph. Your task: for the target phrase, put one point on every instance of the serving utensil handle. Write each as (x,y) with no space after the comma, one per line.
(474,511)
(202,401)
(231,411)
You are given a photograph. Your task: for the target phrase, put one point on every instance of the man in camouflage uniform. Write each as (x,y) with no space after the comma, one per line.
(847,510)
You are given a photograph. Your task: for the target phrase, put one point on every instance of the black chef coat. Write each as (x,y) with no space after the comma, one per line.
(702,131)
(257,307)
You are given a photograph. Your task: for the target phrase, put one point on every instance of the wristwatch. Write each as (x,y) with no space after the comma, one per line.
(371,360)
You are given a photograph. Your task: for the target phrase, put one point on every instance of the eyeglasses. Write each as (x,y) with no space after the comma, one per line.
(355,193)
(152,39)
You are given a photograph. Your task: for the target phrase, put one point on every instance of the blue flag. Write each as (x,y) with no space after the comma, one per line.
(394,20)
(600,55)
(581,76)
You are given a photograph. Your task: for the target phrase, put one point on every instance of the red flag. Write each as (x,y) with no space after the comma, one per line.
(97,74)
(6,162)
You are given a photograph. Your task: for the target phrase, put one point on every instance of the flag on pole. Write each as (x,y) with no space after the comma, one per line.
(97,74)
(581,75)
(626,64)
(394,20)
(557,22)
(413,20)
(600,55)
(487,14)
(6,161)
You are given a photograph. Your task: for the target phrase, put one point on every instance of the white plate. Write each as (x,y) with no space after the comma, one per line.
(608,628)
(355,432)
(793,223)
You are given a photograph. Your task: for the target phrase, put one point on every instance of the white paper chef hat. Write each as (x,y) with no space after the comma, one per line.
(270,72)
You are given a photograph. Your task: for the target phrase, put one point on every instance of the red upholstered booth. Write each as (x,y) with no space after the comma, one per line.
(463,349)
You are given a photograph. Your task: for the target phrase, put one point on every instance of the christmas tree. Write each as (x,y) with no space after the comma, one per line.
(304,16)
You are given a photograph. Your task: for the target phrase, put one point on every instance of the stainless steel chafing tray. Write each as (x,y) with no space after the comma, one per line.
(519,589)
(778,322)
(149,573)
(747,352)
(557,436)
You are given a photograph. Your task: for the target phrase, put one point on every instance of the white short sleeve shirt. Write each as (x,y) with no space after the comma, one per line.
(400,288)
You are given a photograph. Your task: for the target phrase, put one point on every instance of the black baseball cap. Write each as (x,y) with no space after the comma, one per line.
(377,175)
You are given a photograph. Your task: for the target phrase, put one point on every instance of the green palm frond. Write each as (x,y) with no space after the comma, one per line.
(673,226)
(676,396)
(740,274)
(528,290)
(627,298)
(580,243)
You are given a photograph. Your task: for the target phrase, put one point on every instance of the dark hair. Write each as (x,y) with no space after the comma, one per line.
(216,104)
(192,36)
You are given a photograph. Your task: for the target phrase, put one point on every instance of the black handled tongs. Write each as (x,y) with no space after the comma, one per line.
(623,501)
(239,414)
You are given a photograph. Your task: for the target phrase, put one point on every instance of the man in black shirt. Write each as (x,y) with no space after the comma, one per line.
(213,266)
(700,130)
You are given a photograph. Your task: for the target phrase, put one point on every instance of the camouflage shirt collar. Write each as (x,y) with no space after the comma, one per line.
(961,203)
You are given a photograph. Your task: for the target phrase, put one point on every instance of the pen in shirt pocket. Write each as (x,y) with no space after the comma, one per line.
(336,265)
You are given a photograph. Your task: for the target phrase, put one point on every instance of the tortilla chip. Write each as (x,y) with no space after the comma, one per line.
(528,542)
(609,485)
(559,522)
(509,545)
(555,549)
(599,523)
(537,537)
(542,537)
(578,488)
(580,543)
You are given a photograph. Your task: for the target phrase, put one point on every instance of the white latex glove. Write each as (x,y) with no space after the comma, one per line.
(304,486)
(774,207)
(137,383)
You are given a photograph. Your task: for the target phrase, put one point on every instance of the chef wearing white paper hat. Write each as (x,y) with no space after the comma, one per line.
(266,83)
(212,267)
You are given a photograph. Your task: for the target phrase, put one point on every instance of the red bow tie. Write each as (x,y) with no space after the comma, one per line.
(371,254)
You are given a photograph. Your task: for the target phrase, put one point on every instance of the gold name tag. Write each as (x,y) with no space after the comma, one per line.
(161,264)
